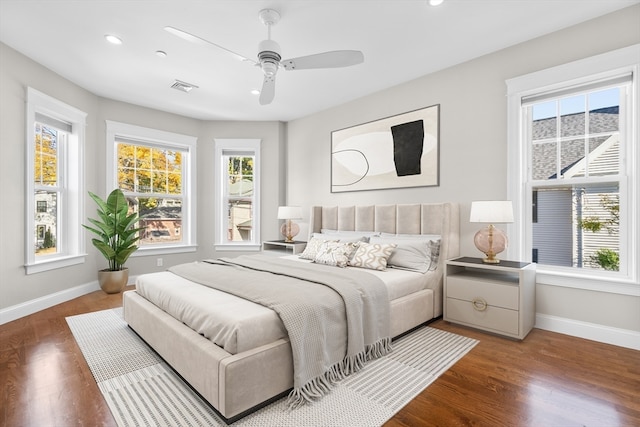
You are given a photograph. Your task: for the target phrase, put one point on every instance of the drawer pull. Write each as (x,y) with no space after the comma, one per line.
(479,304)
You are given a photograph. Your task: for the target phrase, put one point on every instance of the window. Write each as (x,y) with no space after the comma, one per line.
(55,141)
(573,159)
(155,171)
(237,194)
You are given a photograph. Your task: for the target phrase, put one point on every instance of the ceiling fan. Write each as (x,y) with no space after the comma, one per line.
(269,58)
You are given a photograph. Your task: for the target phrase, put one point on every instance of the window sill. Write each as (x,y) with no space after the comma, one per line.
(164,250)
(236,247)
(54,263)
(598,283)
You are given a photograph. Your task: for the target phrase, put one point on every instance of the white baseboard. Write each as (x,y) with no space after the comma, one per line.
(591,331)
(26,308)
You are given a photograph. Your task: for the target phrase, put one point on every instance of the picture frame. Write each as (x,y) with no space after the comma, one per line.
(400,151)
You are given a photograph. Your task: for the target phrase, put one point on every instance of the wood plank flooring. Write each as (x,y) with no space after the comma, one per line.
(548,379)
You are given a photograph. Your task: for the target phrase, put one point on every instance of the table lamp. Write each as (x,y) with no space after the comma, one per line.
(289,229)
(491,240)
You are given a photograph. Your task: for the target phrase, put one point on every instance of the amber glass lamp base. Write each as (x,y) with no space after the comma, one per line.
(289,230)
(490,241)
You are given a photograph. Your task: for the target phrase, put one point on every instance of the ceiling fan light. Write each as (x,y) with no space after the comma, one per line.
(269,68)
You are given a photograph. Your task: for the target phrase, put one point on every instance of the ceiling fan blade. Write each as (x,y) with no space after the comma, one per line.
(333,59)
(199,40)
(268,91)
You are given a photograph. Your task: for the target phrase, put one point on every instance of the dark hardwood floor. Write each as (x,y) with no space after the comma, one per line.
(548,379)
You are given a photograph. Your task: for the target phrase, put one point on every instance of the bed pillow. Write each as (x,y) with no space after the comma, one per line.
(413,254)
(350,233)
(335,253)
(311,250)
(355,237)
(373,256)
(411,236)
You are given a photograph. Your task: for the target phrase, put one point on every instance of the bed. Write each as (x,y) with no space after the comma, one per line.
(238,368)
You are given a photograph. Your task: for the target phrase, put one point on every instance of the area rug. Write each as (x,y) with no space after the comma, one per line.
(142,390)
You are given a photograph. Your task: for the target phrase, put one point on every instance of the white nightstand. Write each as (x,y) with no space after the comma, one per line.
(499,298)
(284,248)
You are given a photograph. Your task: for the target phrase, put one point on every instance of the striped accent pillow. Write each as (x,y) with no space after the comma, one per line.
(373,256)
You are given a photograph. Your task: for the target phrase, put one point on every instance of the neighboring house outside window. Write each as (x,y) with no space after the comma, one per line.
(573,177)
(54,176)
(237,194)
(156,172)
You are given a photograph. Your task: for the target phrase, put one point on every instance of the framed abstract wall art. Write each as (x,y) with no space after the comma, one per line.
(396,152)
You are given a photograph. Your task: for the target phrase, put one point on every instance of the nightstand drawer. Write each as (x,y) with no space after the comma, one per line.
(497,319)
(467,287)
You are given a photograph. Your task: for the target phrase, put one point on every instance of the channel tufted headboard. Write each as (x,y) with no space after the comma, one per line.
(426,218)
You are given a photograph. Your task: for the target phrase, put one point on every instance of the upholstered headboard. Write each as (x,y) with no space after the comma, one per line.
(426,218)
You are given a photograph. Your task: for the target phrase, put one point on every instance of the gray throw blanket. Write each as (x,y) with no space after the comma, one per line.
(337,319)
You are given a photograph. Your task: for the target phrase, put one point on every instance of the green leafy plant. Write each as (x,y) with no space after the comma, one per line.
(607,259)
(115,228)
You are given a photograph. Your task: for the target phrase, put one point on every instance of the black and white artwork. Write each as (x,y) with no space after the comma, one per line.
(396,152)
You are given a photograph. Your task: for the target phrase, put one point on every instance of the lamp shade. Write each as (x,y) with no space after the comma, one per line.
(492,211)
(289,212)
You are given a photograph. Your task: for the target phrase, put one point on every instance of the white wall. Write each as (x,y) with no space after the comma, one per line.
(473,146)
(21,294)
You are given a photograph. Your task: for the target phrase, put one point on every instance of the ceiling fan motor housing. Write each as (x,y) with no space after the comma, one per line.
(269,57)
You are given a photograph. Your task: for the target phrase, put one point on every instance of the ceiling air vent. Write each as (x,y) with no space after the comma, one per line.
(183,86)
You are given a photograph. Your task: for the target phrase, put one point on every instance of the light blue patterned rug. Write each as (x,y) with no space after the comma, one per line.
(141,390)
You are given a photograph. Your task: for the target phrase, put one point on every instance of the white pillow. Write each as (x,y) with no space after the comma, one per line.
(373,256)
(311,250)
(411,236)
(419,252)
(350,232)
(335,253)
(342,237)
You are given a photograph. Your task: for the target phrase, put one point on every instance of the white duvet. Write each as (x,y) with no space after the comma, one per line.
(236,324)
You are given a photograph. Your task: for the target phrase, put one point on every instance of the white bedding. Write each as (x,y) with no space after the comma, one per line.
(236,324)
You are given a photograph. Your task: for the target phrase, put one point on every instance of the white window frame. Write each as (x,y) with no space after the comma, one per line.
(70,243)
(600,67)
(169,140)
(249,147)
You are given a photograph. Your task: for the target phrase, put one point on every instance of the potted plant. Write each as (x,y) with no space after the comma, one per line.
(117,238)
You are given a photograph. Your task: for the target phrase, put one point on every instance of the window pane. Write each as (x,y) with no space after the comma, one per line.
(46,155)
(162,219)
(604,110)
(46,222)
(143,169)
(572,119)
(571,152)
(577,226)
(240,220)
(544,164)
(239,198)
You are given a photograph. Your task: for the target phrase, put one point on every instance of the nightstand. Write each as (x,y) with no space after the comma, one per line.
(291,248)
(498,298)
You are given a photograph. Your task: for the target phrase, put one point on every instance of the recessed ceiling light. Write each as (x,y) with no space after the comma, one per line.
(255,92)
(113,39)
(161,53)
(435,2)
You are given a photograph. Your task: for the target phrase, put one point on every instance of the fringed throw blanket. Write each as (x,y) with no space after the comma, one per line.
(336,319)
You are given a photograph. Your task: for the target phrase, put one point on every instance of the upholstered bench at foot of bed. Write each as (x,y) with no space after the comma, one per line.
(231,383)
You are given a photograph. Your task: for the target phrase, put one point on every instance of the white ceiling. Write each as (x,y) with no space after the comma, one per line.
(400,39)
